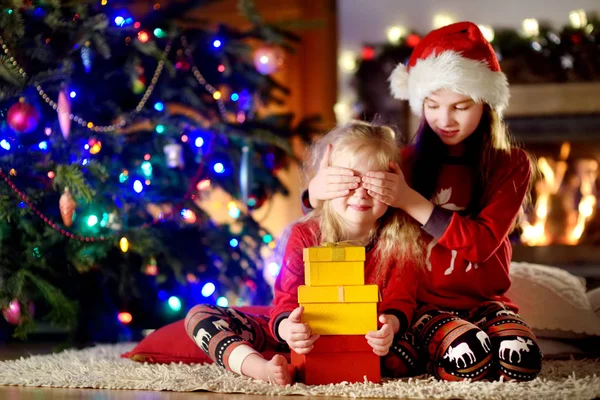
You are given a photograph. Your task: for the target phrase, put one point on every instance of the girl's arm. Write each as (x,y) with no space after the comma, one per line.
(399,295)
(291,275)
(478,238)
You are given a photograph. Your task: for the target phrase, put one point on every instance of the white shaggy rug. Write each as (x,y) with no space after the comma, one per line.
(100,367)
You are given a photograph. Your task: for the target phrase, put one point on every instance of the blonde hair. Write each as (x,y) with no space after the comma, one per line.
(397,236)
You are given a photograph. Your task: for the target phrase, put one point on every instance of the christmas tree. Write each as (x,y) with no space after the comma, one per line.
(114,125)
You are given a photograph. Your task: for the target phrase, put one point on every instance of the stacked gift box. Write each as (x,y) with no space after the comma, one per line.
(342,309)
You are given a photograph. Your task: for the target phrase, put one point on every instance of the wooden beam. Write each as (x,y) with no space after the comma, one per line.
(554,99)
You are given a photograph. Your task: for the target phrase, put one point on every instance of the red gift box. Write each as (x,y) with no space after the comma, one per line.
(338,358)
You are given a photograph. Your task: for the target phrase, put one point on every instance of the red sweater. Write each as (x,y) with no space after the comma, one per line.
(398,286)
(468,258)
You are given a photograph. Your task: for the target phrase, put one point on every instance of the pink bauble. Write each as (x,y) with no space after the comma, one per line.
(13,312)
(64,113)
(22,117)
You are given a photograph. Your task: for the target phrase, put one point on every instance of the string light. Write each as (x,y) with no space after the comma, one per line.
(159,106)
(143,36)
(200,78)
(175,303)
(199,142)
(124,244)
(203,184)
(124,317)
(81,121)
(219,168)
(138,186)
(51,174)
(222,301)
(217,43)
(208,289)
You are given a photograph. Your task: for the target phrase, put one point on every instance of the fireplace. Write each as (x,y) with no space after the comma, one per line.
(559,125)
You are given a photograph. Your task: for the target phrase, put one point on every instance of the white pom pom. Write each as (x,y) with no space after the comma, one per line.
(399,82)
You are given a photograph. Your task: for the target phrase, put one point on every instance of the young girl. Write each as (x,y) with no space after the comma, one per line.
(234,339)
(466,186)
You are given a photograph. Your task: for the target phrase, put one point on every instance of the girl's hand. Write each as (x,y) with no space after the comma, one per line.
(296,334)
(382,339)
(330,182)
(388,187)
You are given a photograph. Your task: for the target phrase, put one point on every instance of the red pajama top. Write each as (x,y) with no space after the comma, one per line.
(468,258)
(397,286)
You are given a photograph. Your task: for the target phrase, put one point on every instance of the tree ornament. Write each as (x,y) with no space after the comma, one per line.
(174,154)
(139,84)
(64,112)
(13,314)
(267,59)
(67,207)
(245,174)
(22,117)
(87,57)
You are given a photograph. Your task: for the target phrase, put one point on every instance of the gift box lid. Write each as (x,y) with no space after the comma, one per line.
(338,294)
(334,252)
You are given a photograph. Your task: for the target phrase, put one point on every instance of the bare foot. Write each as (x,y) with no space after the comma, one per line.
(276,370)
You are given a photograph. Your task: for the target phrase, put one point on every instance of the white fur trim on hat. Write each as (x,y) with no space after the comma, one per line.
(399,82)
(450,70)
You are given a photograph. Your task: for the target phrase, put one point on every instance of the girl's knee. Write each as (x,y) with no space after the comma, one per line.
(468,356)
(519,358)
(195,315)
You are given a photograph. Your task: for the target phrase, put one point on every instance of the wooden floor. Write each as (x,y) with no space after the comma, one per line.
(16,350)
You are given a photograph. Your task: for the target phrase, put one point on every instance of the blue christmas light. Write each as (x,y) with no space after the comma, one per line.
(208,289)
(119,20)
(87,146)
(234,242)
(5,145)
(22,205)
(219,168)
(274,268)
(160,129)
(217,43)
(222,301)
(235,97)
(43,145)
(199,142)
(162,295)
(73,94)
(175,303)
(138,186)
(159,106)
(84,162)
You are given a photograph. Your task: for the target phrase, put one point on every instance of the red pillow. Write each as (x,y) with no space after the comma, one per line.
(172,344)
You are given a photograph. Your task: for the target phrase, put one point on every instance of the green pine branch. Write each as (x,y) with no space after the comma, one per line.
(72,177)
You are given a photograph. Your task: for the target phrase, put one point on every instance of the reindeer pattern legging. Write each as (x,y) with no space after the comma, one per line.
(487,342)
(220,332)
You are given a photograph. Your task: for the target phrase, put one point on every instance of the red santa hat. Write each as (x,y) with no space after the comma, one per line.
(456,57)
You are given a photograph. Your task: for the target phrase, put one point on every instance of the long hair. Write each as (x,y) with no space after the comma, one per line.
(396,236)
(488,142)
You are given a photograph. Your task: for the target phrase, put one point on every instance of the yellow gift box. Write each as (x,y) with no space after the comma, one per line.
(339,310)
(334,252)
(332,273)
